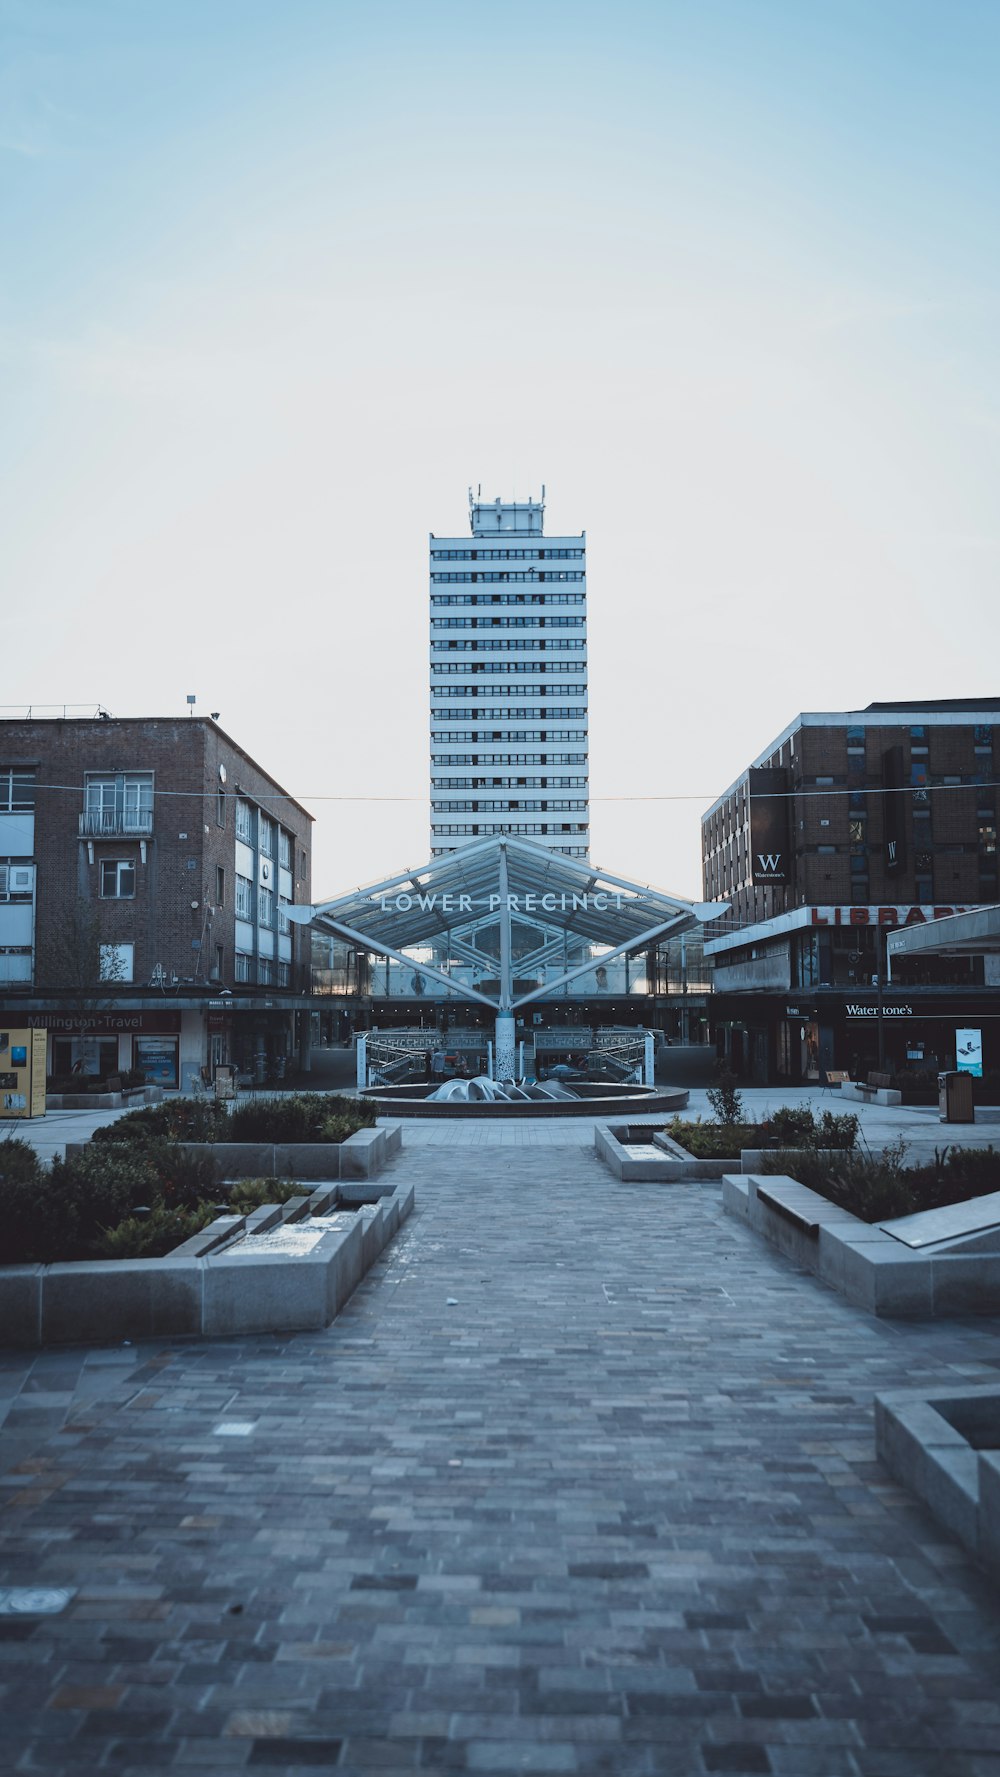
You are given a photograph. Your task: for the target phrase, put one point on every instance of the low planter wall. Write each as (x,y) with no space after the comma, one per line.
(861,1261)
(190,1295)
(945,1447)
(673,1163)
(361,1156)
(104,1101)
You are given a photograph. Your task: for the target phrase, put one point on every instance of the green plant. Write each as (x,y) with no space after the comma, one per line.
(713,1141)
(792,1126)
(876,1187)
(873,1187)
(151,1236)
(724,1098)
(837,1130)
(300,1117)
(58,1214)
(184,1180)
(180,1119)
(249,1194)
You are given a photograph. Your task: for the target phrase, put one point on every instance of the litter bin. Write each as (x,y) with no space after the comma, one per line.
(955,1098)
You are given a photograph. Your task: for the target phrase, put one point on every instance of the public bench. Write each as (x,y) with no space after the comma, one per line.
(875,1090)
(807,1220)
(835,1077)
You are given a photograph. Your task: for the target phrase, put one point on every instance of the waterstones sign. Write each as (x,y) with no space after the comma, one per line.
(873,1011)
(600,902)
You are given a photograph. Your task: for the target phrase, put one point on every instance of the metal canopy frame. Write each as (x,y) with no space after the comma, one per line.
(491,882)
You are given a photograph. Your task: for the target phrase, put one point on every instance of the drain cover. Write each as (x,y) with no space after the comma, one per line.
(34,1601)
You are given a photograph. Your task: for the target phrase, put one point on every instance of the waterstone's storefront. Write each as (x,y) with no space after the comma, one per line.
(815,990)
(498,945)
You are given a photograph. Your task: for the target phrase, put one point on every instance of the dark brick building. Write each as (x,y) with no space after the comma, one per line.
(846,826)
(145,868)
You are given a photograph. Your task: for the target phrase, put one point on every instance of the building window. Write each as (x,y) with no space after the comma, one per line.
(284,849)
(118,804)
(17,792)
(987,837)
(244,898)
(284,974)
(116,962)
(265,907)
(17,882)
(264,971)
(244,821)
(117,879)
(220,808)
(265,836)
(220,886)
(242,971)
(220,959)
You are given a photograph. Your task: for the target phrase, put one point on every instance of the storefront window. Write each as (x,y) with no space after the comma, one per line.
(156,1059)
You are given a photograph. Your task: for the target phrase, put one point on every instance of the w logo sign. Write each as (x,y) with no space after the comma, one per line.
(769,862)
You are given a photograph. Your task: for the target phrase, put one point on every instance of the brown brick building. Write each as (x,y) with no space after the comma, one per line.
(145,865)
(845,826)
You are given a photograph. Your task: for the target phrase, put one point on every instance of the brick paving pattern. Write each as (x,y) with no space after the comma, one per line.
(583,1480)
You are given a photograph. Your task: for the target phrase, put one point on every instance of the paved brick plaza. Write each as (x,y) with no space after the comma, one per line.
(583,1480)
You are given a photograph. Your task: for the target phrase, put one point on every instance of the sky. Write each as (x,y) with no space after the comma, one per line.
(278,283)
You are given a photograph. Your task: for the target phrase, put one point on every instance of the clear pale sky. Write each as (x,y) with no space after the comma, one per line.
(278,282)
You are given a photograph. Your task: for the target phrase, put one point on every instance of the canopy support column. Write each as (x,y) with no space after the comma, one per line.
(505,1058)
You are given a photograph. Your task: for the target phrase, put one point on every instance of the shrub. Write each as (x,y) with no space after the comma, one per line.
(796,1127)
(22,1184)
(184,1180)
(153,1235)
(791,1127)
(179,1119)
(837,1131)
(713,1141)
(876,1187)
(726,1103)
(60,1214)
(19,1164)
(249,1194)
(300,1117)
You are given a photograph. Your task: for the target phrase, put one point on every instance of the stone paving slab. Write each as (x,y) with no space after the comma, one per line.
(582,1480)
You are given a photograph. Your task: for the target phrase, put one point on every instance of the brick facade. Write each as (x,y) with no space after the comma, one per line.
(179,913)
(837,842)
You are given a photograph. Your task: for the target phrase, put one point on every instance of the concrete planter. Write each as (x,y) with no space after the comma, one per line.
(945,1447)
(673,1164)
(191,1294)
(862,1262)
(134,1096)
(361,1156)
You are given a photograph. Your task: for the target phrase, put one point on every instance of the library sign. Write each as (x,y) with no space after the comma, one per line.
(879,916)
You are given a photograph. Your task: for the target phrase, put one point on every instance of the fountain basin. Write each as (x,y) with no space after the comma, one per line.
(589,1099)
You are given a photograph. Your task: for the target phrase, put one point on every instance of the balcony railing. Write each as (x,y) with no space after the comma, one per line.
(113,823)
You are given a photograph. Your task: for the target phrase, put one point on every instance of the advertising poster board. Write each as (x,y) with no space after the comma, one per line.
(969,1052)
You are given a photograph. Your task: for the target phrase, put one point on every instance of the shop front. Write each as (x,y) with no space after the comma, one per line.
(94,1046)
(795,1040)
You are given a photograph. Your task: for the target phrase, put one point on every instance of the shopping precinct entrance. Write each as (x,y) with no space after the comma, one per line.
(507,938)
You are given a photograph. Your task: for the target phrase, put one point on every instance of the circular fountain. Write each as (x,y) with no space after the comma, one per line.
(483,1097)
